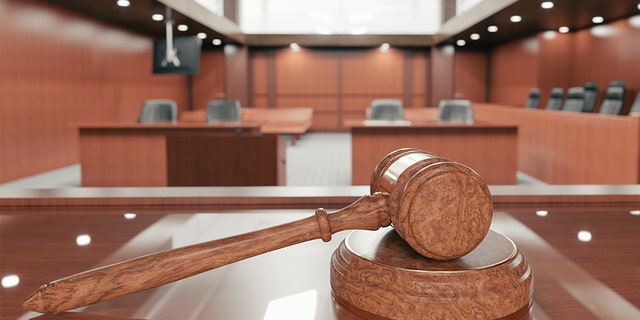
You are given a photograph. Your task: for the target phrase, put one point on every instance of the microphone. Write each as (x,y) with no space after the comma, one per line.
(441,208)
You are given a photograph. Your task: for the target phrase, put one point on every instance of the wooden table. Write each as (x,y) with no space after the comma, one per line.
(573,279)
(489,149)
(184,154)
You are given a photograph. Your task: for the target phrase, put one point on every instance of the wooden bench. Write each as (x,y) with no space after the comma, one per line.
(294,122)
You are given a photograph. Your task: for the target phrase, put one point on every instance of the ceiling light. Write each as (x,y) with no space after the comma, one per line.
(474,36)
(563,29)
(123,3)
(83,240)
(216,42)
(157,17)
(516,18)
(638,6)
(492,29)
(183,27)
(295,47)
(202,35)
(130,215)
(461,43)
(597,19)
(384,47)
(547,5)
(635,212)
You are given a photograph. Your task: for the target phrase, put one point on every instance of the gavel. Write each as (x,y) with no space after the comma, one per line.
(441,208)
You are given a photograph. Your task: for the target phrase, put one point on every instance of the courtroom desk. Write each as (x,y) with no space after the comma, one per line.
(570,147)
(489,149)
(183,154)
(572,279)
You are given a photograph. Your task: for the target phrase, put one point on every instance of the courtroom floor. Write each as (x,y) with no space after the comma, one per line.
(317,159)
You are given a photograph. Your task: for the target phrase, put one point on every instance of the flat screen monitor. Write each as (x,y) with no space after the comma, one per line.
(188,53)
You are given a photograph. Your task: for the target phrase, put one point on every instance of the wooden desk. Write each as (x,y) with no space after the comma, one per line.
(179,155)
(489,149)
(571,147)
(573,279)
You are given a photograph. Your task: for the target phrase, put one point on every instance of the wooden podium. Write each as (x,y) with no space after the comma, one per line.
(376,275)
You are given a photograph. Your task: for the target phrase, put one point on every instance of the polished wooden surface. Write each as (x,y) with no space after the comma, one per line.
(572,148)
(38,228)
(490,149)
(182,154)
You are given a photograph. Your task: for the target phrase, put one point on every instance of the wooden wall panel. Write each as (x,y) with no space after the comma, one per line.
(319,103)
(236,73)
(470,75)
(513,70)
(442,85)
(209,83)
(60,69)
(259,73)
(306,72)
(373,72)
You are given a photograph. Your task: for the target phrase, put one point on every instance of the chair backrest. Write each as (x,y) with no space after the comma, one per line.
(613,101)
(534,99)
(455,111)
(223,111)
(556,99)
(159,110)
(590,96)
(635,106)
(387,109)
(575,100)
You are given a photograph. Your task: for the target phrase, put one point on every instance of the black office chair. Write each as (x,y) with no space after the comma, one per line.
(613,101)
(455,111)
(556,99)
(386,109)
(158,110)
(635,106)
(223,111)
(590,96)
(534,99)
(575,100)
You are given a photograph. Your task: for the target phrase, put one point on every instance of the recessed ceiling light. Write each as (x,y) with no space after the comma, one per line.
(492,29)
(547,5)
(563,29)
(295,47)
(123,3)
(516,18)
(584,236)
(201,35)
(474,36)
(384,47)
(183,27)
(10,281)
(597,19)
(216,42)
(157,17)
(542,213)
(461,43)
(635,212)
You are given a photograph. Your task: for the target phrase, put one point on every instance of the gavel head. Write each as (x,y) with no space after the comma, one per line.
(441,208)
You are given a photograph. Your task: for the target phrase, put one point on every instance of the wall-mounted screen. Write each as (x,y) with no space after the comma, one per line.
(186,59)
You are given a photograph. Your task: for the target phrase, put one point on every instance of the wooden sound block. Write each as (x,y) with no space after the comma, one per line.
(376,275)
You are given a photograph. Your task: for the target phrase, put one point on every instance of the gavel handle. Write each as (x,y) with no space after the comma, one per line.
(369,213)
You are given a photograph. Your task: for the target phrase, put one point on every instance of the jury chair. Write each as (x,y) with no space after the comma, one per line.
(158,110)
(455,111)
(590,96)
(534,99)
(575,100)
(555,99)
(613,101)
(223,111)
(386,109)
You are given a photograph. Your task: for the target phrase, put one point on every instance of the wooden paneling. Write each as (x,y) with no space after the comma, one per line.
(514,71)
(572,148)
(442,84)
(59,68)
(470,75)
(305,72)
(236,73)
(209,83)
(373,72)
(489,150)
